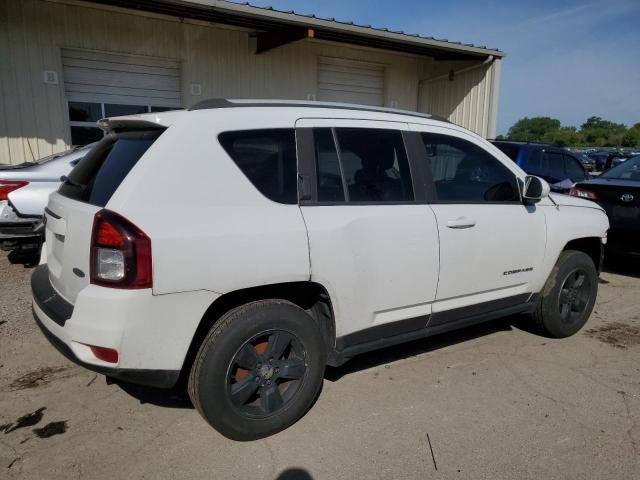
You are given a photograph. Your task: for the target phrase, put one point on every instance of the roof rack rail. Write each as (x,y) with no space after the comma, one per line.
(233,103)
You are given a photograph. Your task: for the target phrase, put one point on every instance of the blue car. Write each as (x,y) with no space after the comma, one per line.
(556,165)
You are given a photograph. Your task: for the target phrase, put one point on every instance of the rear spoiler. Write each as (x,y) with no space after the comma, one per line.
(116,125)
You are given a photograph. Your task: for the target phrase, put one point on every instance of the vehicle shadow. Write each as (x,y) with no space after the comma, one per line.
(178,397)
(429,344)
(628,265)
(28,258)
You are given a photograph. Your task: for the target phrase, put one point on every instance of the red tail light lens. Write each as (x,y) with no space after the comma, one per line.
(582,193)
(8,186)
(105,354)
(120,253)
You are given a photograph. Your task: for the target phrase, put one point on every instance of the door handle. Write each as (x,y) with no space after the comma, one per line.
(461,222)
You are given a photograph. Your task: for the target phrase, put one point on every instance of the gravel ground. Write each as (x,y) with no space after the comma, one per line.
(493,401)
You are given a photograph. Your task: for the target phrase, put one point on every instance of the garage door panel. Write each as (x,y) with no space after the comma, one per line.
(351,97)
(118,58)
(121,67)
(350,81)
(330,77)
(105,91)
(115,78)
(108,78)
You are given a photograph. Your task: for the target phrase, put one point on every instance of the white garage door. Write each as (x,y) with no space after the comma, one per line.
(99,85)
(350,81)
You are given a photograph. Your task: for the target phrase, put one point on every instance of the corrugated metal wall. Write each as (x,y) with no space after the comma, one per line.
(33,115)
(468,100)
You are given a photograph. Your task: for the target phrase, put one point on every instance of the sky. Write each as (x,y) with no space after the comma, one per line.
(565,59)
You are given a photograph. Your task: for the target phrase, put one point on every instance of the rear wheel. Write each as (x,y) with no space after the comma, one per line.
(569,295)
(258,370)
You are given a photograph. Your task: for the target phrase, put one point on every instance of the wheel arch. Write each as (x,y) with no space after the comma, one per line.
(591,246)
(310,296)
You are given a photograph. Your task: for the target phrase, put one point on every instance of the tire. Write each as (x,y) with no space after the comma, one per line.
(265,396)
(568,297)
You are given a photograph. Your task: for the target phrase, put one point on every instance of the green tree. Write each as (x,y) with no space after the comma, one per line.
(532,129)
(632,137)
(602,133)
(563,136)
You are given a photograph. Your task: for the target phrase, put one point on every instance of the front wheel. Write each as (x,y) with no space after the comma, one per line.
(569,295)
(258,370)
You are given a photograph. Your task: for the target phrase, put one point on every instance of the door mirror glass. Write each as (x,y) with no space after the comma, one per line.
(535,189)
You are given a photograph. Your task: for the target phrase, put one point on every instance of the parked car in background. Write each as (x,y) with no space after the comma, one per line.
(24,193)
(588,162)
(600,159)
(618,192)
(308,233)
(556,165)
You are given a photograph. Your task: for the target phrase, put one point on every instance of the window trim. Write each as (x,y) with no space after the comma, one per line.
(307,168)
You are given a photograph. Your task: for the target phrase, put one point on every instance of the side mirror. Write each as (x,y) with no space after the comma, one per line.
(534,190)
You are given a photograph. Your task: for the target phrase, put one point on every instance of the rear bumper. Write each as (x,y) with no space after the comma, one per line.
(15,229)
(152,378)
(152,334)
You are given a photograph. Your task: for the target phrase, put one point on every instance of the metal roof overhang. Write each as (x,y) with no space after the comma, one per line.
(269,20)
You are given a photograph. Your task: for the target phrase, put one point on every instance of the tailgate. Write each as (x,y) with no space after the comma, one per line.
(68,240)
(71,210)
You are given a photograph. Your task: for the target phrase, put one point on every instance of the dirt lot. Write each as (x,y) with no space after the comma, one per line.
(495,401)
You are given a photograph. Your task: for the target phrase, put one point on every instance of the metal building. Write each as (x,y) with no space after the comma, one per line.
(66,63)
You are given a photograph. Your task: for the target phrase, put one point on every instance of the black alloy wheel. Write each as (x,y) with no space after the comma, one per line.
(266,373)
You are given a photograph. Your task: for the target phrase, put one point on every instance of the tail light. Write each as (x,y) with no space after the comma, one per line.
(582,193)
(105,354)
(8,186)
(120,253)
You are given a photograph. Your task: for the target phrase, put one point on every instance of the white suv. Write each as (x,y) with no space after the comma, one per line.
(245,245)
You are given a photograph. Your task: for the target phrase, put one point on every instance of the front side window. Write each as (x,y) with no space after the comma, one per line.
(374,165)
(464,172)
(268,160)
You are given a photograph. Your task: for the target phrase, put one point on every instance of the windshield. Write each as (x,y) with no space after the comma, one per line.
(629,170)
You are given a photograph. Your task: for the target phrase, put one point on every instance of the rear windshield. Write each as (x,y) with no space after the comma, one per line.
(96,178)
(510,151)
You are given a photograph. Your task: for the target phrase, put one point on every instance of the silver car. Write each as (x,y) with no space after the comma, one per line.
(24,193)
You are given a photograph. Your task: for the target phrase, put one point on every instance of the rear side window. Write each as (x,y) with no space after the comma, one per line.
(268,160)
(99,174)
(555,165)
(362,165)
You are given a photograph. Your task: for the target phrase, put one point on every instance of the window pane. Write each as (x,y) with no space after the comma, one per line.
(268,159)
(84,112)
(85,135)
(535,163)
(98,176)
(330,187)
(464,172)
(574,169)
(510,151)
(375,165)
(115,110)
